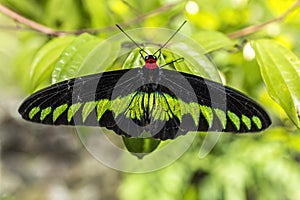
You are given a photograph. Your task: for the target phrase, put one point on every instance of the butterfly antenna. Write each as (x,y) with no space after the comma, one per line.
(170,37)
(136,44)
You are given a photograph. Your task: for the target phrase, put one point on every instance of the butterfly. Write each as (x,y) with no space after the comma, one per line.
(149,101)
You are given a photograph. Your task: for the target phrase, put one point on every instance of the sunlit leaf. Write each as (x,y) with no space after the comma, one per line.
(195,61)
(45,60)
(280,69)
(212,40)
(70,61)
(100,58)
(98,12)
(66,18)
(23,62)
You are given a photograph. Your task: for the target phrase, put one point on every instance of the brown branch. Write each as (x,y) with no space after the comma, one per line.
(49,31)
(34,25)
(252,29)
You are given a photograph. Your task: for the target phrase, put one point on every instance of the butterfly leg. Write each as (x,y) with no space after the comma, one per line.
(173,61)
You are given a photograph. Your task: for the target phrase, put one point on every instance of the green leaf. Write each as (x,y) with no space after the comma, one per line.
(98,12)
(100,58)
(44,61)
(23,61)
(71,59)
(195,61)
(140,146)
(66,18)
(280,69)
(212,40)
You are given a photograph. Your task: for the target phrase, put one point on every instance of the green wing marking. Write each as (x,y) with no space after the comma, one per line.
(87,109)
(58,111)
(194,112)
(33,112)
(102,106)
(72,110)
(235,119)
(160,107)
(134,111)
(151,101)
(222,117)
(146,100)
(45,112)
(208,114)
(247,121)
(257,122)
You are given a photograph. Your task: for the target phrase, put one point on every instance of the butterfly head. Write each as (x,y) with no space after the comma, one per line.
(151,59)
(150,62)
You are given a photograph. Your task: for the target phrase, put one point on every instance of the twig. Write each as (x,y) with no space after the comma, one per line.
(46,30)
(252,29)
(34,25)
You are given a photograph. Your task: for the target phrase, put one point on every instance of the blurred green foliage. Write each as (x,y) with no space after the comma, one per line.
(262,166)
(240,167)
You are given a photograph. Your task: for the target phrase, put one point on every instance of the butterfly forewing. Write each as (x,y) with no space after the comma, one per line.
(61,102)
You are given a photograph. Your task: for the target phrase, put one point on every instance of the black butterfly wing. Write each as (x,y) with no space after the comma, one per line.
(72,102)
(221,108)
